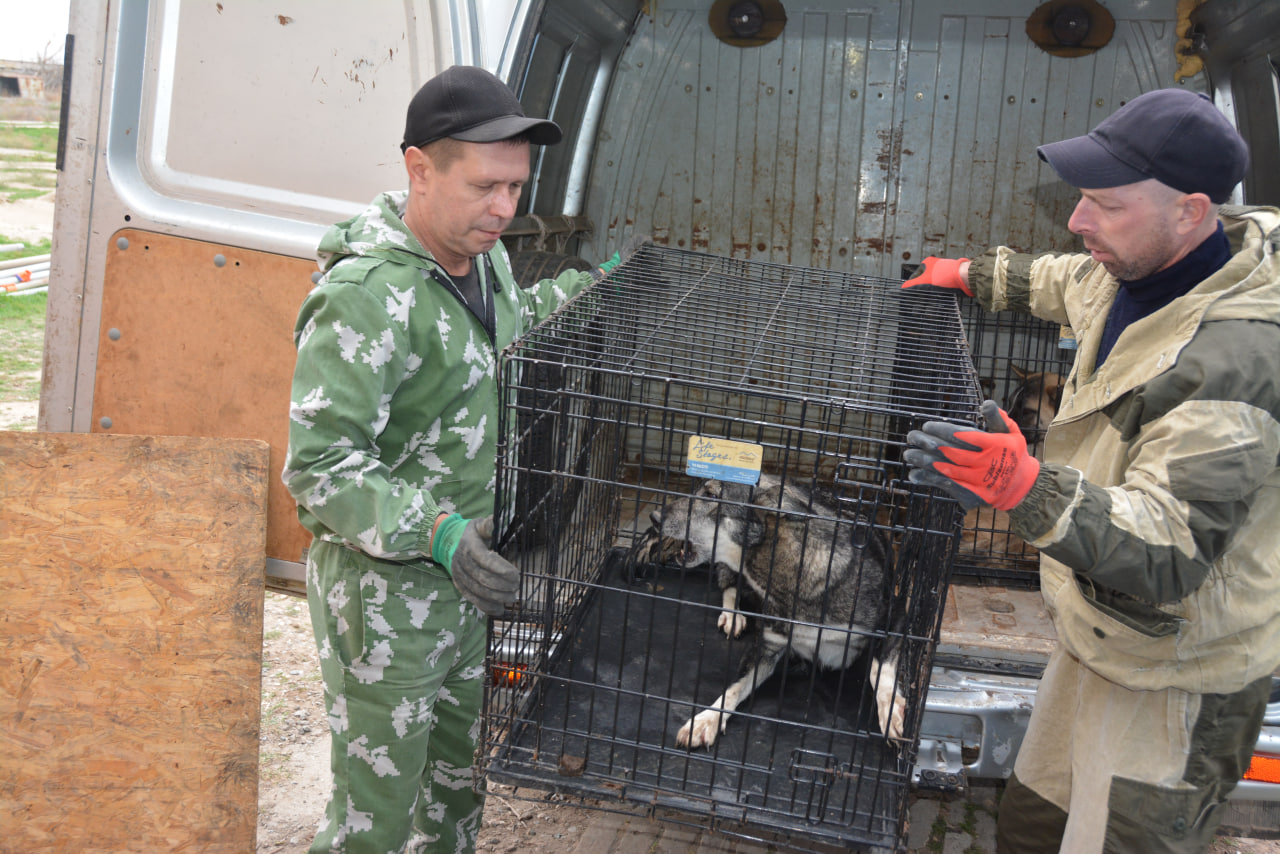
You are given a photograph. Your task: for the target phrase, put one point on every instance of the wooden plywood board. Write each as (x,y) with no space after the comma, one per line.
(998,621)
(196,339)
(131,571)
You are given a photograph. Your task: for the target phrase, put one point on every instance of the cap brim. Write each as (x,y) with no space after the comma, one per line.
(539,131)
(1085,163)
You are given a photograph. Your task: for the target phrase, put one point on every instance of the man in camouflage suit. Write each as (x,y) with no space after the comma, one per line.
(392,462)
(1157,510)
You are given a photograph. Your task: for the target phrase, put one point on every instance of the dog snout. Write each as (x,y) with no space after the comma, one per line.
(656,518)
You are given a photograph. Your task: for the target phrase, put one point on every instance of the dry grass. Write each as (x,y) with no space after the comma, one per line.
(29,110)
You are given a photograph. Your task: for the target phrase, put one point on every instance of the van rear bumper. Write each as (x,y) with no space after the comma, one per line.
(974,723)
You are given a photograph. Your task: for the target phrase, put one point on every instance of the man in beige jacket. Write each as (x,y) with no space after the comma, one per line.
(1157,511)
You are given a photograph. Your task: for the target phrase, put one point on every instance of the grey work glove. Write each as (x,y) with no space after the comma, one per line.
(485,578)
(973,466)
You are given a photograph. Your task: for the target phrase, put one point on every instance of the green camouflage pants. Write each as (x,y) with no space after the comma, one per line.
(402,655)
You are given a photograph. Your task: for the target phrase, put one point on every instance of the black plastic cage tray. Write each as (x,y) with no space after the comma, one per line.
(816,377)
(598,717)
(657,636)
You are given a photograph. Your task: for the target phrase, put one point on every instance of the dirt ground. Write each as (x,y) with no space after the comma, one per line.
(26,219)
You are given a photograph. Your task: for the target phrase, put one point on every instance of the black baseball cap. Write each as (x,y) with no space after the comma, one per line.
(473,105)
(1175,136)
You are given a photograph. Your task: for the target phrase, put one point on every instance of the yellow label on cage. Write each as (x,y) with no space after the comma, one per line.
(724,459)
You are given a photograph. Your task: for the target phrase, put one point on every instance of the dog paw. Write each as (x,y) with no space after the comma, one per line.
(893,716)
(891,706)
(731,623)
(702,730)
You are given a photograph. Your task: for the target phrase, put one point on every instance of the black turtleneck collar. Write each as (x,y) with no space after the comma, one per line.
(1141,297)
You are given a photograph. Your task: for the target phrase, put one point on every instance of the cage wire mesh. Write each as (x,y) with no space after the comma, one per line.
(619,638)
(1021,363)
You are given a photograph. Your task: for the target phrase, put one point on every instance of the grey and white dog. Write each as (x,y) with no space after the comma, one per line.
(821,588)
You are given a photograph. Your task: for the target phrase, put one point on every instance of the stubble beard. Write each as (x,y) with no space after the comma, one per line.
(1152,255)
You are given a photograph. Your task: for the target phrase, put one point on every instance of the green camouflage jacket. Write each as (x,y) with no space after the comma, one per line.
(394,408)
(1157,512)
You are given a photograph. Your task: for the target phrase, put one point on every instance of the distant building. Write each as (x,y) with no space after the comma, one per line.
(23,79)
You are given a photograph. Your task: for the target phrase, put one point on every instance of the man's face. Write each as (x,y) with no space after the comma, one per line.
(460,211)
(1129,230)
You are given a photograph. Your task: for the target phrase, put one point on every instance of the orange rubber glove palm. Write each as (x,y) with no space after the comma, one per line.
(941,273)
(974,466)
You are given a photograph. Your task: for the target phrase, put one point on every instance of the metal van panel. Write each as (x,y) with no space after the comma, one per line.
(238,132)
(1241,40)
(234,115)
(563,70)
(199,119)
(72,316)
(859,139)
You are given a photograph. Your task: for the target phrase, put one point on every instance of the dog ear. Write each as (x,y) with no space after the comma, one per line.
(1053,389)
(1021,372)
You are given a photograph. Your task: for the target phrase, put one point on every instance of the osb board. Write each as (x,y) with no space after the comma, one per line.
(188,347)
(131,572)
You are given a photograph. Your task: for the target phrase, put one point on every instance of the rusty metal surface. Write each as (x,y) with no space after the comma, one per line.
(861,139)
(1002,622)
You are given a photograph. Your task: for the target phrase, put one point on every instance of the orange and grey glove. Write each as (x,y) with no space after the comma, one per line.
(484,577)
(974,466)
(941,273)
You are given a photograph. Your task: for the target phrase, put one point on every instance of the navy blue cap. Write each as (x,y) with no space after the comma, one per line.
(1177,137)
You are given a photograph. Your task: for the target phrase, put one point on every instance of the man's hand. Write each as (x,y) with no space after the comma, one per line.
(484,577)
(941,273)
(973,466)
(628,249)
(608,265)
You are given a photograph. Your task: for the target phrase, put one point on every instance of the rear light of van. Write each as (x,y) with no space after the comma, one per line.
(1264,768)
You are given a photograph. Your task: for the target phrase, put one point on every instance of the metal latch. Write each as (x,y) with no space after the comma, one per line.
(820,771)
(939,766)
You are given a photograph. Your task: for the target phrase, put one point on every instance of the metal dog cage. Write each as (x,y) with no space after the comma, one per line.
(820,375)
(1020,361)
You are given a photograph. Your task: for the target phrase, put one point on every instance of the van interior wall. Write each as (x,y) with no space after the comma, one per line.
(856,140)
(1241,41)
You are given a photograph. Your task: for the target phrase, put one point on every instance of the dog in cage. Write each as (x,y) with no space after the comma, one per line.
(1034,403)
(818,584)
